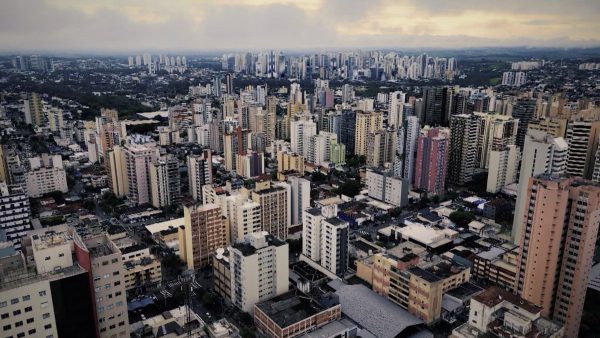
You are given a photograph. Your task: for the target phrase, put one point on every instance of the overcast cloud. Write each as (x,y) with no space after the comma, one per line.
(202,25)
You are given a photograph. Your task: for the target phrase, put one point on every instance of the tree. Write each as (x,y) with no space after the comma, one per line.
(317,176)
(349,188)
(462,218)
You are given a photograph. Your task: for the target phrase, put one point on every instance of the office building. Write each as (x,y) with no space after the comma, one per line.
(366,123)
(275,207)
(259,270)
(199,172)
(15,214)
(582,138)
(165,182)
(387,188)
(432,160)
(557,246)
(464,134)
(542,154)
(46,175)
(205,231)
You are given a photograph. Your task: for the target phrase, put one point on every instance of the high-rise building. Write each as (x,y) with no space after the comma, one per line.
(165,182)
(34,110)
(404,163)
(434,108)
(103,260)
(542,154)
(334,245)
(596,173)
(503,168)
(300,197)
(463,145)
(319,147)
(199,172)
(582,138)
(495,133)
(366,123)
(524,111)
(56,119)
(387,188)
(46,175)
(271,119)
(557,246)
(381,147)
(258,269)
(432,160)
(116,171)
(300,132)
(275,204)
(396,108)
(15,213)
(206,230)
(289,162)
(251,164)
(235,143)
(347,130)
(229,83)
(139,152)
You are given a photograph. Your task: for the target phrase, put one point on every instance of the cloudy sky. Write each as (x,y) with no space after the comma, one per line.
(200,25)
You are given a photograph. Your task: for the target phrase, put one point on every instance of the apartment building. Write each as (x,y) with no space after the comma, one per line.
(46,175)
(275,207)
(205,230)
(15,213)
(199,172)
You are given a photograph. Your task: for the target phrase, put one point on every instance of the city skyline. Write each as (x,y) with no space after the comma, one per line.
(111,26)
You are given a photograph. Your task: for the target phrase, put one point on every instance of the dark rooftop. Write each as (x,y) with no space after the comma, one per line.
(495,295)
(436,273)
(247,249)
(335,221)
(133,248)
(289,308)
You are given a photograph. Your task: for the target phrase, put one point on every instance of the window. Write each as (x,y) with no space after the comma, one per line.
(42,293)
(116,273)
(48,326)
(32,331)
(21,334)
(19,323)
(47,258)
(46,315)
(6,327)
(16,312)
(4,316)
(26,298)
(29,320)
(14,301)
(61,255)
(3,304)
(28,309)
(107,286)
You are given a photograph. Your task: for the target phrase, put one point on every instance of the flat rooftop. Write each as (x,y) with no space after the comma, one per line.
(290,308)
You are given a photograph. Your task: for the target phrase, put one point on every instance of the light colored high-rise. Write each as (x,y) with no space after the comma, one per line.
(235,143)
(366,123)
(139,153)
(56,119)
(404,163)
(319,147)
(199,172)
(396,108)
(259,270)
(289,162)
(382,147)
(582,138)
(206,230)
(387,188)
(165,182)
(464,134)
(34,110)
(557,246)
(116,171)
(271,118)
(300,132)
(503,168)
(542,154)
(495,133)
(46,175)
(300,197)
(275,204)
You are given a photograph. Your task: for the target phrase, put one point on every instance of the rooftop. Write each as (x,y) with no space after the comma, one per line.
(436,272)
(289,308)
(495,295)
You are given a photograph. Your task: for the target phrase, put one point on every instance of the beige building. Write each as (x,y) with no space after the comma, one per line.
(205,230)
(139,153)
(142,269)
(116,171)
(366,123)
(275,207)
(289,162)
(47,175)
(557,246)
